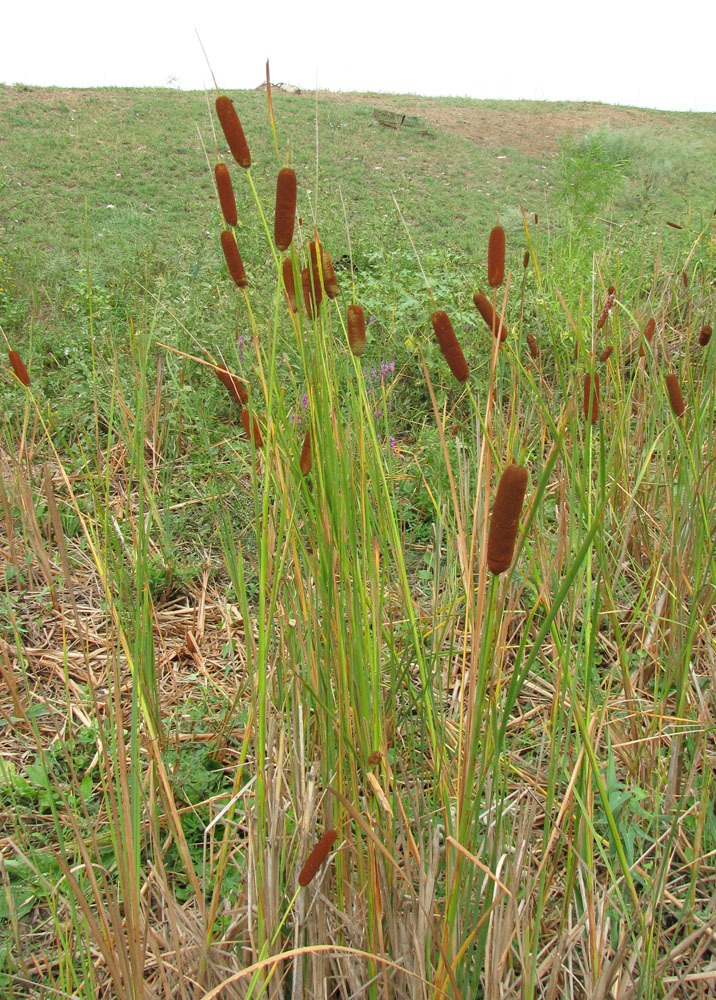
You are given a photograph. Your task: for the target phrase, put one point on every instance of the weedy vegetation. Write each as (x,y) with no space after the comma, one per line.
(360,641)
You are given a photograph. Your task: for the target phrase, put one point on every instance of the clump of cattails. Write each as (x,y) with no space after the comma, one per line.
(233,131)
(233,258)
(705,335)
(356,330)
(484,307)
(285,213)
(506,518)
(289,283)
(675,397)
(591,397)
(18,366)
(608,306)
(452,352)
(233,383)
(606,353)
(648,334)
(251,428)
(496,257)
(305,461)
(532,344)
(316,858)
(226,194)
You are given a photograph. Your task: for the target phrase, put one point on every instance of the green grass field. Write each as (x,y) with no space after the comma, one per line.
(216,649)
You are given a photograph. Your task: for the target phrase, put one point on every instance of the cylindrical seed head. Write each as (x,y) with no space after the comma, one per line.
(233,131)
(248,425)
(305,462)
(18,366)
(496,257)
(285,208)
(289,283)
(226,194)
(591,397)
(452,352)
(505,519)
(675,397)
(330,281)
(532,344)
(316,858)
(648,335)
(606,353)
(484,307)
(233,258)
(705,335)
(233,383)
(356,330)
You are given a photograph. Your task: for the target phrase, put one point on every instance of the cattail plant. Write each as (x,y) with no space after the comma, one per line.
(452,352)
(356,330)
(285,208)
(532,344)
(648,334)
(233,258)
(226,194)
(247,425)
(606,353)
(705,335)
(496,257)
(289,283)
(484,307)
(675,397)
(329,276)
(591,397)
(18,366)
(505,518)
(307,291)
(305,462)
(233,131)
(233,383)
(316,858)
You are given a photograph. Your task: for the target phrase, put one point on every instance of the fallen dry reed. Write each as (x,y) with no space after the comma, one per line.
(233,258)
(285,213)
(591,397)
(496,257)
(233,383)
(505,519)
(675,397)
(452,352)
(225,190)
(648,335)
(233,132)
(484,307)
(316,858)
(18,366)
(356,330)
(705,335)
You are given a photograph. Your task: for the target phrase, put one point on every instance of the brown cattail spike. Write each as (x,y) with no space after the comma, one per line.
(356,330)
(536,218)
(484,307)
(591,397)
(285,208)
(233,383)
(526,259)
(648,334)
(329,276)
(289,283)
(532,344)
(305,462)
(705,335)
(606,353)
(307,291)
(249,427)
(18,366)
(314,247)
(233,258)
(506,518)
(316,858)
(674,225)
(226,194)
(496,257)
(675,397)
(233,131)
(452,352)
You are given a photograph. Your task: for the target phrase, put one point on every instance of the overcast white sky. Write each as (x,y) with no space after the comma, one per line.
(616,51)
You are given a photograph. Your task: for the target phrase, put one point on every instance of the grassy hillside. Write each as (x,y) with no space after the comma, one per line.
(440,599)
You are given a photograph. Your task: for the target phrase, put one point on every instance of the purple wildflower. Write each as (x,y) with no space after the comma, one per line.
(304,401)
